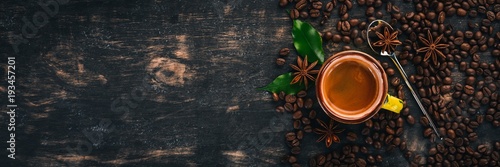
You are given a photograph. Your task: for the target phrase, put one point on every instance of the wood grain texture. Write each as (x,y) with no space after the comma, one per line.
(155,83)
(186,71)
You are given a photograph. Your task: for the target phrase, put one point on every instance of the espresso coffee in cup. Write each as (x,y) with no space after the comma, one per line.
(352,86)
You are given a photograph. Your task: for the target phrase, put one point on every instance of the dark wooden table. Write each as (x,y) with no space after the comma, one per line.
(151,83)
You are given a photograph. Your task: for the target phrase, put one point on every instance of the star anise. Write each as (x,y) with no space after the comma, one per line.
(328,133)
(388,41)
(304,71)
(432,47)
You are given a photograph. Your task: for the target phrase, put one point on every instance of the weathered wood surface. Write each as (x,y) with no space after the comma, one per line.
(152,83)
(204,58)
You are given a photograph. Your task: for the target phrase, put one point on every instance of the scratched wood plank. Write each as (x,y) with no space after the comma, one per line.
(186,73)
(155,83)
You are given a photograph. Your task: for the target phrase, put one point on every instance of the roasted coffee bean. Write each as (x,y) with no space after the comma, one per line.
(308,103)
(305,121)
(336,38)
(497,115)
(428,132)
(282,95)
(276,97)
(376,126)
(329,7)
(389,130)
(321,159)
(410,120)
(346,39)
(379,158)
(376,136)
(396,141)
(495,155)
(369,123)
(308,128)
(283,3)
(451,133)
(346,47)
(399,131)
(290,98)
(369,140)
(304,14)
(432,151)
(349,160)
(424,121)
(490,16)
(294,143)
(295,150)
(473,124)
(288,107)
(472,136)
(391,123)
(370,11)
(360,162)
(408,154)
(312,114)
(327,35)
(297,115)
(461,12)
(355,149)
(439,158)
(290,136)
(351,136)
(395,81)
(482,148)
(475,105)
(399,122)
(345,26)
(468,34)
(300,134)
(346,149)
(284,51)
(300,102)
(365,131)
(468,90)
(301,4)
(447,81)
(342,9)
(317,5)
(448,142)
(440,148)
(280,61)
(294,13)
(280,109)
(292,159)
(358,41)
(483,162)
(445,89)
(296,124)
(465,46)
(314,13)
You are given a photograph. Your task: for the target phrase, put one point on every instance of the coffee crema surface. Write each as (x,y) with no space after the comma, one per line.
(351,86)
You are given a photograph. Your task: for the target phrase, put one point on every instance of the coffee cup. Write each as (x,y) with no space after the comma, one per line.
(352,86)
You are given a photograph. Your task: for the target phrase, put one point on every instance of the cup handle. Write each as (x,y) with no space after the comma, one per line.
(393,104)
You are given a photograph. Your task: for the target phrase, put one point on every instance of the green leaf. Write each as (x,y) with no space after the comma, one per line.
(282,83)
(307,41)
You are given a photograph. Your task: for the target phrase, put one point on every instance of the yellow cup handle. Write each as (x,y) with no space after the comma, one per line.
(393,104)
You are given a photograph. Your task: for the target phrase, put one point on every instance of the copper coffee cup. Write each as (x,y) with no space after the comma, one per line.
(366,80)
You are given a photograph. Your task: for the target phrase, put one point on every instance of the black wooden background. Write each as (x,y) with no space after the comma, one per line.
(153,83)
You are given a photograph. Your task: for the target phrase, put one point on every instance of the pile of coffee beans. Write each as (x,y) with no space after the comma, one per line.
(300,106)
(460,92)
